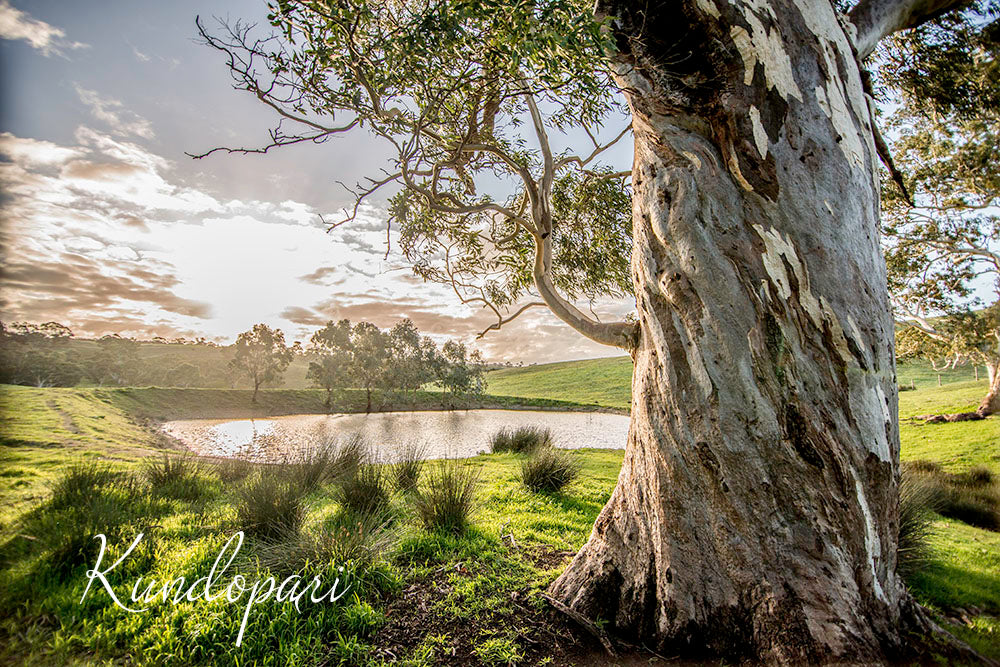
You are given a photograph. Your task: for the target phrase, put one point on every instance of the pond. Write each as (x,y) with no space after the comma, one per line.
(445,434)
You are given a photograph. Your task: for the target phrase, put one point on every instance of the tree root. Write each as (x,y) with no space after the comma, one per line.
(948,418)
(585,623)
(933,639)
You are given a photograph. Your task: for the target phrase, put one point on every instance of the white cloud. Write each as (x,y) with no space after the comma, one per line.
(35,152)
(113,112)
(103,236)
(15,24)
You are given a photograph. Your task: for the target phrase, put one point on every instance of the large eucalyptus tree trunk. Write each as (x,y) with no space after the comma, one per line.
(990,404)
(756,510)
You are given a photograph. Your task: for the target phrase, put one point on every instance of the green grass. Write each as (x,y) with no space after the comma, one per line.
(607,382)
(920,374)
(477,590)
(43,431)
(957,447)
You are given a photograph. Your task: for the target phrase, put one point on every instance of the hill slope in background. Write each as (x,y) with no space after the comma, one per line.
(604,381)
(607,381)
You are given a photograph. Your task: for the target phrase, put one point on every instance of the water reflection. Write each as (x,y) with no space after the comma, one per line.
(455,433)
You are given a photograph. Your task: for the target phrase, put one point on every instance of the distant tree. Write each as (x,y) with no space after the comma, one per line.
(37,364)
(370,356)
(408,368)
(331,369)
(116,361)
(943,242)
(47,331)
(261,355)
(36,354)
(459,373)
(183,375)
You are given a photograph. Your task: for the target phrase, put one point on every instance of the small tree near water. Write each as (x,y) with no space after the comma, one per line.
(332,367)
(261,355)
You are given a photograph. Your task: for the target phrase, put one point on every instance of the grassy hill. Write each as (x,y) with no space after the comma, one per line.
(471,588)
(607,381)
(604,381)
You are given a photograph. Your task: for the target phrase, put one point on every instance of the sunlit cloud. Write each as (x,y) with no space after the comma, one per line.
(103,236)
(18,25)
(113,113)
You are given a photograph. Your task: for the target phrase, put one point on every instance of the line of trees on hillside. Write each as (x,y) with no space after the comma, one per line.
(340,355)
(361,356)
(42,355)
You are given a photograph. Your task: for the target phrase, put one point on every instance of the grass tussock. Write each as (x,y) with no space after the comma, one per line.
(447,498)
(232,471)
(549,470)
(329,462)
(917,507)
(408,466)
(972,497)
(366,491)
(81,482)
(87,500)
(173,477)
(269,505)
(356,540)
(520,440)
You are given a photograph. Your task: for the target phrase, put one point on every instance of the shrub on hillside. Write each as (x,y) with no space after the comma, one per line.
(520,440)
(549,470)
(447,498)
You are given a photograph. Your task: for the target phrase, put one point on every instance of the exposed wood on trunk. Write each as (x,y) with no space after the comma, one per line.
(991,402)
(755,514)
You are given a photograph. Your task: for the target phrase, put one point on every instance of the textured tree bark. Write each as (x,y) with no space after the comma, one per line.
(755,515)
(991,402)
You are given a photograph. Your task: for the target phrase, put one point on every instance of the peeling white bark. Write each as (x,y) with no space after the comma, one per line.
(757,499)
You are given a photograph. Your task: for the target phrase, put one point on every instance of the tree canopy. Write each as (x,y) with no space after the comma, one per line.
(261,354)
(497,213)
(399,359)
(942,244)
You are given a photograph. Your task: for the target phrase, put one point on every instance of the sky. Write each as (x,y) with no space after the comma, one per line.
(108,227)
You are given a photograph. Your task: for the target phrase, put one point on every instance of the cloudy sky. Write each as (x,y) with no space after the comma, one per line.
(107,226)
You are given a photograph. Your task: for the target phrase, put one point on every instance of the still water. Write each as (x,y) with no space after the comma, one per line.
(444,434)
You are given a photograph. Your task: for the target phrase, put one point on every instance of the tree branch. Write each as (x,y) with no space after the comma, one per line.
(505,320)
(598,149)
(877,19)
(616,334)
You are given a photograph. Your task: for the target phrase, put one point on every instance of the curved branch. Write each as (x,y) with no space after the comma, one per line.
(617,334)
(505,320)
(598,149)
(877,19)
(548,166)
